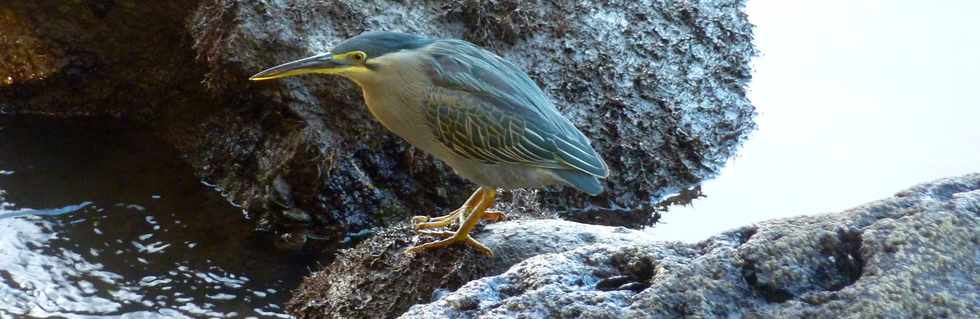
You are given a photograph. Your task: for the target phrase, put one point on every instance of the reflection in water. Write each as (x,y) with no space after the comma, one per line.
(100,221)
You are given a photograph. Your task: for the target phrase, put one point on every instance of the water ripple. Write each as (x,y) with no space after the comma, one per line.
(132,232)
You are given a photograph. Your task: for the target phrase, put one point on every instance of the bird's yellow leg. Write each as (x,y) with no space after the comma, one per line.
(426,222)
(486,197)
(450,216)
(491,216)
(436,233)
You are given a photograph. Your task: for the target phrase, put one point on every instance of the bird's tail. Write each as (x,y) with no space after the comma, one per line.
(581,181)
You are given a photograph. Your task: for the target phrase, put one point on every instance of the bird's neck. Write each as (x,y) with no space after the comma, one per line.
(373,102)
(397,112)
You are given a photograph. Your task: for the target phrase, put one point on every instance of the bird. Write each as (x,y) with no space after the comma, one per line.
(472,109)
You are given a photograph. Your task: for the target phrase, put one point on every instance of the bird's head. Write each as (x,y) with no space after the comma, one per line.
(356,58)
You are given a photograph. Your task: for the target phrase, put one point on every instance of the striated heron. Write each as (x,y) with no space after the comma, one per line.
(466,106)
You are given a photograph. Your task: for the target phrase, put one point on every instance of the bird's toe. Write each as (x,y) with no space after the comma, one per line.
(433,233)
(454,238)
(419,219)
(494,216)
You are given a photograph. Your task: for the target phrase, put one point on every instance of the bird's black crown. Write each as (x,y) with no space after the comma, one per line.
(379,43)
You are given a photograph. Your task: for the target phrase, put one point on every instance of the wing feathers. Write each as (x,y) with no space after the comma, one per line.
(488,109)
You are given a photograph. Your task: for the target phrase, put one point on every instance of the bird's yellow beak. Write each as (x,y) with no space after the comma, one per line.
(322,63)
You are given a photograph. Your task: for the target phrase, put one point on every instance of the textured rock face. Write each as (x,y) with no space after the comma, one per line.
(914,255)
(379,270)
(123,57)
(657,85)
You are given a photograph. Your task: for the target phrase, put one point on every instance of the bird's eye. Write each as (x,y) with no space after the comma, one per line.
(358,56)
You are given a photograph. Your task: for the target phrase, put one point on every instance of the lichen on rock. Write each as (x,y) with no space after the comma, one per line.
(912,255)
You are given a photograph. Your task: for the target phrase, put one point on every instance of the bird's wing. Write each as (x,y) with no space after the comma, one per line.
(487,108)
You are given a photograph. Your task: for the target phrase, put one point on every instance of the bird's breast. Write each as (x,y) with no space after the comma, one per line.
(403,116)
(397,103)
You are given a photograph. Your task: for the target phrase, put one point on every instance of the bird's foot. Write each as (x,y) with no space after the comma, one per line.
(453,238)
(421,223)
(436,233)
(493,216)
(426,222)
(469,215)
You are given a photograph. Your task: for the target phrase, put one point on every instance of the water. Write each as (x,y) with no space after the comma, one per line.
(102,221)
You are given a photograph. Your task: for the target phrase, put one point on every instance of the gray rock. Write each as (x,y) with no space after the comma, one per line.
(377,277)
(657,85)
(915,255)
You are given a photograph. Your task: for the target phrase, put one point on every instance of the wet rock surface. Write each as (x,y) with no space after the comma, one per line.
(657,85)
(913,255)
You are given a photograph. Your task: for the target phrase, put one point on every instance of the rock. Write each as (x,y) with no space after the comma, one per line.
(373,278)
(911,256)
(120,57)
(659,86)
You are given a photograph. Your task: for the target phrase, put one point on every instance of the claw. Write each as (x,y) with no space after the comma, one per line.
(493,216)
(424,222)
(453,239)
(436,224)
(440,234)
(469,215)
(480,248)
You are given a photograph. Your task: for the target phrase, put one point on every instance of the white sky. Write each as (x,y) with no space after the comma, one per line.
(857,99)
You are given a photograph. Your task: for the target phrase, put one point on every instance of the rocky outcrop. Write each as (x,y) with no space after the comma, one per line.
(379,271)
(912,255)
(659,86)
